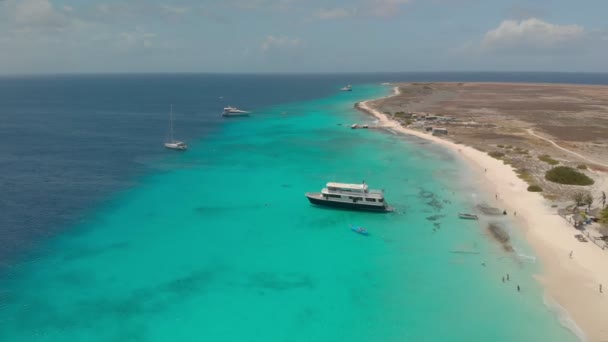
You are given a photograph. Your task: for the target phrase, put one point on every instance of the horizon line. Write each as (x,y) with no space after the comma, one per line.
(270,73)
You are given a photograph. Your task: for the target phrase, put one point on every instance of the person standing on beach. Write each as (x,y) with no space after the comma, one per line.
(570,254)
(601,288)
(503,279)
(507,276)
(518,288)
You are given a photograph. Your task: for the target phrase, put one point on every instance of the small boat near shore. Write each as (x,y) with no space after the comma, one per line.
(468,216)
(233,111)
(355,126)
(359,230)
(347,88)
(349,196)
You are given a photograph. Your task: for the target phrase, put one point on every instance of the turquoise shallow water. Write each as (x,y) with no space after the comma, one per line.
(224,246)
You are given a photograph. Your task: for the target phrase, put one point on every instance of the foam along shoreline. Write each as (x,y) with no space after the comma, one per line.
(573,283)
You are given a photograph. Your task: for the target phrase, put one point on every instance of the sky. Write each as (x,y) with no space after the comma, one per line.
(97,36)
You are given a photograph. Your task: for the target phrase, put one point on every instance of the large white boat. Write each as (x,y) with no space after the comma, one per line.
(350,196)
(347,88)
(171,143)
(233,111)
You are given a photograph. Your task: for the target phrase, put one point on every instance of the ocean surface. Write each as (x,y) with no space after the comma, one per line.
(107,236)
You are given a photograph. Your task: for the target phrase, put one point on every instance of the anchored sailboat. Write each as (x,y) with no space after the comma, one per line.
(171,143)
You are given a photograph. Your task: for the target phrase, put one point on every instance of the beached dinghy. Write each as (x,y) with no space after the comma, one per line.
(468,216)
(359,230)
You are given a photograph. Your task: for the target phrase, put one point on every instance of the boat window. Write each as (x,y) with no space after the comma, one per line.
(370,199)
(381,200)
(333,196)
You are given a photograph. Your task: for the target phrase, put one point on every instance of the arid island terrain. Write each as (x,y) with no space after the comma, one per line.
(530,126)
(513,136)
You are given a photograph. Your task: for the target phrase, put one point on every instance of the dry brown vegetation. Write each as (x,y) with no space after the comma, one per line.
(495,117)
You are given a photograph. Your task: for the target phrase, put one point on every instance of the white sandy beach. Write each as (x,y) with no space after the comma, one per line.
(572,282)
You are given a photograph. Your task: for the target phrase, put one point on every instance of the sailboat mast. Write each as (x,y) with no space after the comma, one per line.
(171,125)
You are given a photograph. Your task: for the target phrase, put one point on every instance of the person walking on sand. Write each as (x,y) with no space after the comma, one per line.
(570,254)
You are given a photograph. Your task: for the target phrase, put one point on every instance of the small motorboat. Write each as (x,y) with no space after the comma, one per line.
(468,216)
(359,230)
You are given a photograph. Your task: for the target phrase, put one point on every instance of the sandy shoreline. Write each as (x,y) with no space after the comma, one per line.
(572,283)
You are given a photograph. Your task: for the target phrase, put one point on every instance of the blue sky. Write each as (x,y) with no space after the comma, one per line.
(57,36)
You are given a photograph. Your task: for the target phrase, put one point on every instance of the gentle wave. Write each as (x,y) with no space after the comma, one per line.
(564,317)
(521,255)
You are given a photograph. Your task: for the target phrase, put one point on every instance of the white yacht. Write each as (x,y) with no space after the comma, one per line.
(171,143)
(233,111)
(350,196)
(347,88)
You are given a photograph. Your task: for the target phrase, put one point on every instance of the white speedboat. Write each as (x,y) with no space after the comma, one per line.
(171,143)
(233,111)
(350,196)
(347,88)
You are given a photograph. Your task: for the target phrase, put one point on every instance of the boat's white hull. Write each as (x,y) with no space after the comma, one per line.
(346,203)
(174,146)
(235,114)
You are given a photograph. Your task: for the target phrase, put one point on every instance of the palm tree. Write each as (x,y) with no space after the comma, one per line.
(588,200)
(578,198)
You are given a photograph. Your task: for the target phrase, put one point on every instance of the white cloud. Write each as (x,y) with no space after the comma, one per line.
(385,8)
(135,39)
(532,34)
(259,4)
(175,10)
(37,13)
(366,8)
(272,42)
(335,13)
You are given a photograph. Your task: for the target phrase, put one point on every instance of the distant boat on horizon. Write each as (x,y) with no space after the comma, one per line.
(233,111)
(348,87)
(171,143)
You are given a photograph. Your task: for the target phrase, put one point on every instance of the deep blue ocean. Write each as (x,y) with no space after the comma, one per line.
(84,176)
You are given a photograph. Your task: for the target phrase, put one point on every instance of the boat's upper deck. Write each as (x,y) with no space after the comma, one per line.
(347,186)
(352,189)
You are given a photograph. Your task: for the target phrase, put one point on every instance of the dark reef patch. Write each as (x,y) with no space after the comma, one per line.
(435,217)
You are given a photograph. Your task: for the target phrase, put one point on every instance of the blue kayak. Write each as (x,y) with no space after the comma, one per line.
(359,230)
